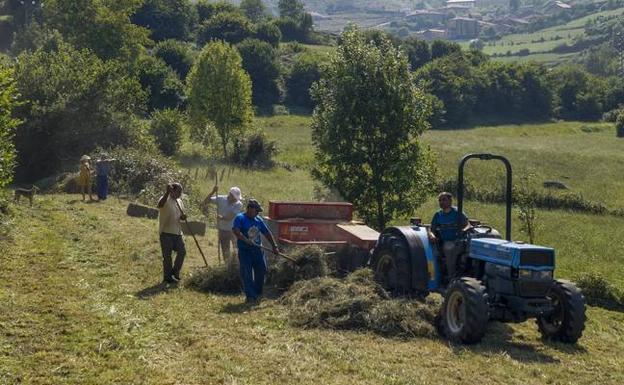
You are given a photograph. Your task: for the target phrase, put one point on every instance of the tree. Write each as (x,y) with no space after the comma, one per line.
(366,125)
(161,83)
(219,92)
(261,63)
(8,96)
(417,51)
(167,127)
(230,27)
(167,19)
(255,10)
(102,26)
(178,55)
(72,102)
(206,9)
(291,9)
(306,70)
(441,48)
(269,32)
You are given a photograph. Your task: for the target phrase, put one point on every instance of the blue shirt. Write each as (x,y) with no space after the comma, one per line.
(450,218)
(250,228)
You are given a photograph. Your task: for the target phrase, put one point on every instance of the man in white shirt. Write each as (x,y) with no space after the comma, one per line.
(228,207)
(170,208)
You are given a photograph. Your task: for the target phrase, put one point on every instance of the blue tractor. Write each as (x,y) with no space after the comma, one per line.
(495,279)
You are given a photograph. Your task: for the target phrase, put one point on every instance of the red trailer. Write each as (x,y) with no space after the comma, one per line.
(326,224)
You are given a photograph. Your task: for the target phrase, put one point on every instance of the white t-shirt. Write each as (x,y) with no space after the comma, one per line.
(169,217)
(227,211)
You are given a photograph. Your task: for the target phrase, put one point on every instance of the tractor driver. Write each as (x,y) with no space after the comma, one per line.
(445,224)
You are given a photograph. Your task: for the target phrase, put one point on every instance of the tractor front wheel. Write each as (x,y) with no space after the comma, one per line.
(567,320)
(465,311)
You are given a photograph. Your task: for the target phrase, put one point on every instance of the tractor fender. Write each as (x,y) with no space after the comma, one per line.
(425,272)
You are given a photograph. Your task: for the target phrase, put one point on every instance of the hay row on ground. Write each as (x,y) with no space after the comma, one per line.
(312,263)
(215,279)
(358,303)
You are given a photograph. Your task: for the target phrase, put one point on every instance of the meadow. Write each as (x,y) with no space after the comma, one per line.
(83,304)
(541,43)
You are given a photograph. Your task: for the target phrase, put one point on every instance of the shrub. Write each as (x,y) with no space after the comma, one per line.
(600,292)
(619,125)
(144,174)
(269,32)
(254,151)
(260,62)
(167,127)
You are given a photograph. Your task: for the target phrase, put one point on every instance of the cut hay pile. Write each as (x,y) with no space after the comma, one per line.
(358,303)
(213,279)
(311,264)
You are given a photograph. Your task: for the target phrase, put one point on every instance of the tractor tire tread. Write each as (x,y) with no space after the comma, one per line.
(477,310)
(574,314)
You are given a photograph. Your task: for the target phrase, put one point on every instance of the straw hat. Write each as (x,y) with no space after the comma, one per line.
(85,157)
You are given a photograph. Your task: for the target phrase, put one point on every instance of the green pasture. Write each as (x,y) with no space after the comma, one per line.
(553,36)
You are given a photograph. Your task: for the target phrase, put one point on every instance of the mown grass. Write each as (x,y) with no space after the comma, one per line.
(83,304)
(81,307)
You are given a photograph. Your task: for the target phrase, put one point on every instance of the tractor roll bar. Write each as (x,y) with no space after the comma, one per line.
(460,187)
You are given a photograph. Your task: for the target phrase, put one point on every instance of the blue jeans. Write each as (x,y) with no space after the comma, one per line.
(102,186)
(252,270)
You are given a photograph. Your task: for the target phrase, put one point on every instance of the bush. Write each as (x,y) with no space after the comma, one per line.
(167,127)
(254,151)
(599,292)
(619,125)
(144,174)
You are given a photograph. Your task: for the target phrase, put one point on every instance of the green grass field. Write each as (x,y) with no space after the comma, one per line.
(541,42)
(83,304)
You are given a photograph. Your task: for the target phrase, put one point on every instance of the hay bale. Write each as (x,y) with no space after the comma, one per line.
(197,228)
(140,211)
(312,264)
(358,303)
(218,279)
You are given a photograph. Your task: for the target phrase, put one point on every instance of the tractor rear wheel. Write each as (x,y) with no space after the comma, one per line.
(567,320)
(465,311)
(391,265)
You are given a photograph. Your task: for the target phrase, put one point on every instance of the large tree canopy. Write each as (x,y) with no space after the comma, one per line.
(366,127)
(72,103)
(103,26)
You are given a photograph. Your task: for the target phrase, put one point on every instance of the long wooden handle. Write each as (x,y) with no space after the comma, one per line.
(280,254)
(192,234)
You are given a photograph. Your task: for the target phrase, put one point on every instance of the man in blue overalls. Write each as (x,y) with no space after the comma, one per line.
(247,228)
